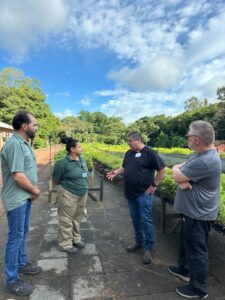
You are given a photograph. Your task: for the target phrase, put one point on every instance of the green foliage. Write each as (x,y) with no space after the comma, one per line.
(20,93)
(167,188)
(218,121)
(193,104)
(61,154)
(93,127)
(111,148)
(87,156)
(76,128)
(162,140)
(178,141)
(109,160)
(221,213)
(174,150)
(221,93)
(163,131)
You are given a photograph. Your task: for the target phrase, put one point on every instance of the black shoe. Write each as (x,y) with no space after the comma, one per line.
(134,247)
(19,288)
(178,272)
(72,250)
(187,291)
(79,245)
(147,258)
(30,269)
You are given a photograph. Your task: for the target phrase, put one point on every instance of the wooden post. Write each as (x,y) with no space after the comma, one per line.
(101,189)
(163,216)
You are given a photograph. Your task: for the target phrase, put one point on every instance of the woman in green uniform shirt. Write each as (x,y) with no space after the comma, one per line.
(70,175)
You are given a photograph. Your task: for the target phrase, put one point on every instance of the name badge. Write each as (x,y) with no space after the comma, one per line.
(138,155)
(84,175)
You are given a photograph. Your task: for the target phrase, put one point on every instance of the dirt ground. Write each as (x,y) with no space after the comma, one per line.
(43,156)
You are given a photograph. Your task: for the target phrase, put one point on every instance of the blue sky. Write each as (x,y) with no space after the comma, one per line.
(121,57)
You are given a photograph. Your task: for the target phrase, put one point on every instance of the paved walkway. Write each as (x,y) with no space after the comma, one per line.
(104,270)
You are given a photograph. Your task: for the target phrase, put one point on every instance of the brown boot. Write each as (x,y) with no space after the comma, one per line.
(134,247)
(147,258)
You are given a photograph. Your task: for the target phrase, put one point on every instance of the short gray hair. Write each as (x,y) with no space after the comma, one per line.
(204,130)
(135,135)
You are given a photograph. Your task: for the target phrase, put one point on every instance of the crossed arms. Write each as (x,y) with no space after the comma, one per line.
(180,178)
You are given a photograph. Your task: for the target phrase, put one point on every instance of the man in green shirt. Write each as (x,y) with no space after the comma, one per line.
(19,175)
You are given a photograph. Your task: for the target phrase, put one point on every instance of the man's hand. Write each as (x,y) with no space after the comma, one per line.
(35,193)
(111,175)
(151,190)
(185,185)
(22,181)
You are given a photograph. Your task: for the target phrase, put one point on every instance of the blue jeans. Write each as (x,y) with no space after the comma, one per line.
(15,256)
(141,215)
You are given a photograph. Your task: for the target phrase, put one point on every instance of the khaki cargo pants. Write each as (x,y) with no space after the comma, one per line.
(70,213)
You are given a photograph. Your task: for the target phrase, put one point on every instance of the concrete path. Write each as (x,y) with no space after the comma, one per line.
(104,270)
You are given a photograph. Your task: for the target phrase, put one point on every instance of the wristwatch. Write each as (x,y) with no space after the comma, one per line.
(154,184)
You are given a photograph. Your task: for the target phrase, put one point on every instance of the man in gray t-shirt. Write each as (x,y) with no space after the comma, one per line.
(197,200)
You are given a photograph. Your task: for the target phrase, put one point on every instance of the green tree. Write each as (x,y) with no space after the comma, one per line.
(106,129)
(194,103)
(75,127)
(20,93)
(162,140)
(145,126)
(114,131)
(221,93)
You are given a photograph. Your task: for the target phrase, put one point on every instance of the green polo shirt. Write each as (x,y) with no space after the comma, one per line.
(17,156)
(72,175)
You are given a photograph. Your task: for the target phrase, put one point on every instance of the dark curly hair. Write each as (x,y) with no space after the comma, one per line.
(70,142)
(20,118)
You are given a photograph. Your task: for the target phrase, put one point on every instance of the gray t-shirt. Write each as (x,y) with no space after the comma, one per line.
(201,203)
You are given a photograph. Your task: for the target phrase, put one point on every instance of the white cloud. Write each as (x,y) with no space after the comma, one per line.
(135,32)
(167,50)
(85,101)
(175,53)
(29,24)
(66,113)
(204,79)
(207,43)
(164,44)
(134,105)
(159,74)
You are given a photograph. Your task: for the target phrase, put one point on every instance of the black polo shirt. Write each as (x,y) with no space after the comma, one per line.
(139,171)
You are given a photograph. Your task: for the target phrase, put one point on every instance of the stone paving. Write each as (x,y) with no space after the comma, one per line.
(103,269)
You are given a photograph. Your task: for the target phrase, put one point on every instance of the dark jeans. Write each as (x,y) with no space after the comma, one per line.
(193,253)
(15,256)
(141,215)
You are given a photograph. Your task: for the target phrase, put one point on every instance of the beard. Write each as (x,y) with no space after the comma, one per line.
(30,134)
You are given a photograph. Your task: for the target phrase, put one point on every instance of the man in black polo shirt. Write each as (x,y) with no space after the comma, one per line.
(140,183)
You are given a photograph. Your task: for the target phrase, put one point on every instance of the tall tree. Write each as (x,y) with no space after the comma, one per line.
(192,104)
(221,93)
(18,92)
